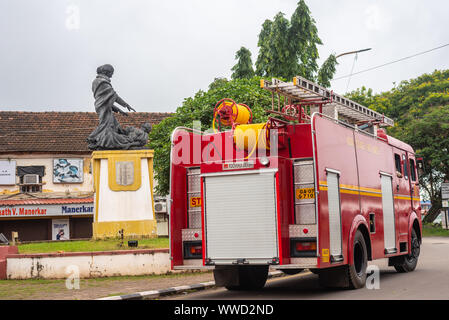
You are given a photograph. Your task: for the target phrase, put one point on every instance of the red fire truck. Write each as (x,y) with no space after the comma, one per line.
(319,186)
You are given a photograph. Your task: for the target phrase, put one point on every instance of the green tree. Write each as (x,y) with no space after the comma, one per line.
(420,110)
(280,55)
(303,38)
(201,107)
(327,71)
(218,82)
(364,96)
(263,59)
(288,48)
(429,136)
(244,66)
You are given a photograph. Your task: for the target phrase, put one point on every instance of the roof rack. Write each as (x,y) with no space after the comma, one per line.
(306,91)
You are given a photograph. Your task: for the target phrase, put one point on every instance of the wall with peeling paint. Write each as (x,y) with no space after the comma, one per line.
(89,264)
(49,186)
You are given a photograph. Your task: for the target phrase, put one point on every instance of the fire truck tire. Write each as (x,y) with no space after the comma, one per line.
(357,270)
(241,277)
(407,263)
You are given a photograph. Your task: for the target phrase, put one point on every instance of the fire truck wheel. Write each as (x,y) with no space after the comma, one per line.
(249,277)
(407,263)
(357,270)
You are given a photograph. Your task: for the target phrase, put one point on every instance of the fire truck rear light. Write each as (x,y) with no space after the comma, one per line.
(193,250)
(305,230)
(196,235)
(303,247)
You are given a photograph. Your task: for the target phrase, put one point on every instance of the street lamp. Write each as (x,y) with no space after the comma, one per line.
(352,52)
(356,52)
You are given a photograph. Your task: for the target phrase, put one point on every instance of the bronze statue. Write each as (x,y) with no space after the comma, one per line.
(109,135)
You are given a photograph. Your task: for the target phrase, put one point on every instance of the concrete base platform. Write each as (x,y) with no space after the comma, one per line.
(136,229)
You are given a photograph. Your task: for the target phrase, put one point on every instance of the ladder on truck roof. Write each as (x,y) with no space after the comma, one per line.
(306,91)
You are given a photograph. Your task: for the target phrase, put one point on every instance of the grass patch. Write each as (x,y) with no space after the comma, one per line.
(431,230)
(55,289)
(90,245)
(21,289)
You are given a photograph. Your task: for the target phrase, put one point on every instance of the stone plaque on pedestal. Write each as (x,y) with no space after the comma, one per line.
(124,174)
(123,183)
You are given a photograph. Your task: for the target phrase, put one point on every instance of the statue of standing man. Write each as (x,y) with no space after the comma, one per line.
(109,135)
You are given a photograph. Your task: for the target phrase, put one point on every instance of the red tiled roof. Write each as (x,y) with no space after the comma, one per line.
(45,201)
(58,132)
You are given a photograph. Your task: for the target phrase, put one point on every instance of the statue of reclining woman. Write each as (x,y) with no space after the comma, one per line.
(109,135)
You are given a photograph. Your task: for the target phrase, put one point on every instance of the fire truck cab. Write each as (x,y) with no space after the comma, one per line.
(320,186)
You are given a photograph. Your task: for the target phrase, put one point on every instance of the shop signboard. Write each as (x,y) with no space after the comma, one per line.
(46,210)
(7,172)
(445,191)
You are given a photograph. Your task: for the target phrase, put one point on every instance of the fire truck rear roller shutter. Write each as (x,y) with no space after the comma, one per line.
(240,211)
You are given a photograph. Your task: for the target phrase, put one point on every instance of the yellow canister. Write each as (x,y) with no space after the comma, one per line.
(251,136)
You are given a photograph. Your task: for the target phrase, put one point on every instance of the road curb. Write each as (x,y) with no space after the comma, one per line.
(165,292)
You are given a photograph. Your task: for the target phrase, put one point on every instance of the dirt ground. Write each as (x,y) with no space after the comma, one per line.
(95,288)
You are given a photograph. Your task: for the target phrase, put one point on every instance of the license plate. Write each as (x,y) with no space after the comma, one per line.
(195,202)
(305,193)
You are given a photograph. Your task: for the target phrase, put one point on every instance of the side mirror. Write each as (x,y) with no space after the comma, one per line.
(420,166)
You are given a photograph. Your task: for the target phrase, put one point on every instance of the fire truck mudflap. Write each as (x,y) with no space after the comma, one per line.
(240,217)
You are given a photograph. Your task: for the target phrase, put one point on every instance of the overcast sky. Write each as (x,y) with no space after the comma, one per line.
(165,51)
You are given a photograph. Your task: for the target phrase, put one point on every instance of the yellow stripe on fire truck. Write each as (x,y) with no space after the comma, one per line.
(348,189)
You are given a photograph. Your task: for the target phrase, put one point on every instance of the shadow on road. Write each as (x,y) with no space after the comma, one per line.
(302,286)
(428,281)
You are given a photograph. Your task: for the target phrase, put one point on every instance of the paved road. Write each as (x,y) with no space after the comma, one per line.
(430,280)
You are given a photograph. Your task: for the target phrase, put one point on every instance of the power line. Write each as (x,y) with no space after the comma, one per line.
(395,61)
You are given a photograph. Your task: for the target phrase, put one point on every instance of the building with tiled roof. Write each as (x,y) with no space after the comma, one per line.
(58,132)
(45,171)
